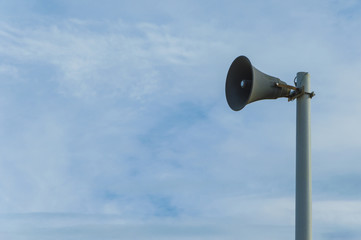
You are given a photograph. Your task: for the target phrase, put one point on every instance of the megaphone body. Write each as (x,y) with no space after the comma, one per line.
(246,84)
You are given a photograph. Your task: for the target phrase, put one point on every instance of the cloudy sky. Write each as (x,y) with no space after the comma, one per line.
(114,122)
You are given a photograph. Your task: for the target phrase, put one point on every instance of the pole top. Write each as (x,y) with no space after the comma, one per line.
(301,79)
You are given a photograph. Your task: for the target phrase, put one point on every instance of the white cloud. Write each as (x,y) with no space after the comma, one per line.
(243,216)
(338,213)
(117,58)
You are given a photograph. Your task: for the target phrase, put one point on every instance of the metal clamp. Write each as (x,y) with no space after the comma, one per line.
(311,94)
(296,92)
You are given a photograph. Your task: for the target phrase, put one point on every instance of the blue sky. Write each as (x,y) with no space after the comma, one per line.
(114,122)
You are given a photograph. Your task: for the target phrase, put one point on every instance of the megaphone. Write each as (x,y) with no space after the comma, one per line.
(246,84)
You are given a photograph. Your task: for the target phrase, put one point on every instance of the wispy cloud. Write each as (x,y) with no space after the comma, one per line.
(117,58)
(274,215)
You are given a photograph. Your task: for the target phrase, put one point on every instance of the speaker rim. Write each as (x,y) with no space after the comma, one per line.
(237,98)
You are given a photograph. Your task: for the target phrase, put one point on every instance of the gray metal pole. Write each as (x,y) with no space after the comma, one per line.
(303,161)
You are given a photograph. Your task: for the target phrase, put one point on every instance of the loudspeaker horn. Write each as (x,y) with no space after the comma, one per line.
(246,84)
